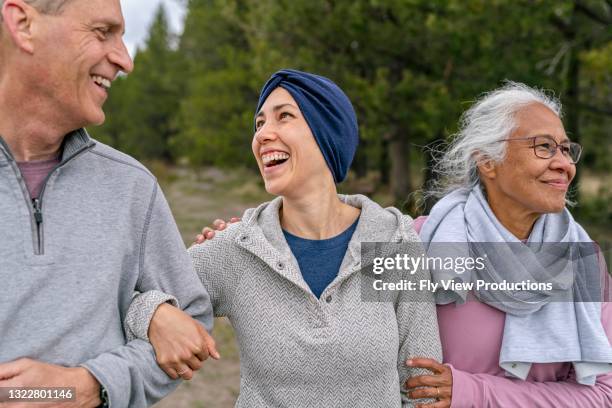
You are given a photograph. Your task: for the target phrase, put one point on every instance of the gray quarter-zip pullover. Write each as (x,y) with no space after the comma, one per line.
(71,261)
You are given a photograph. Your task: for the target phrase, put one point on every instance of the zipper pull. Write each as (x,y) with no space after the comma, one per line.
(37,212)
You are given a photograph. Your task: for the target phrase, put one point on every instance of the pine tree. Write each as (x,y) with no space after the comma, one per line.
(143,106)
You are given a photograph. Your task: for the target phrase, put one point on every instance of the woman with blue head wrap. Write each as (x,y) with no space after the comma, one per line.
(288,275)
(306,135)
(328,113)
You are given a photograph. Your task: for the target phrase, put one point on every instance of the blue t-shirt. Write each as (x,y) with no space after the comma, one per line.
(320,259)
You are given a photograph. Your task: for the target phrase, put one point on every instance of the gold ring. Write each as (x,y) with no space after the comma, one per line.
(182,371)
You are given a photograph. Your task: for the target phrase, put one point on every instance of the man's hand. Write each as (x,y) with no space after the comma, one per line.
(181,343)
(26,373)
(438,386)
(209,233)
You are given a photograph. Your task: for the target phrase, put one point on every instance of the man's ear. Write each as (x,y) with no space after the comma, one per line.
(17,19)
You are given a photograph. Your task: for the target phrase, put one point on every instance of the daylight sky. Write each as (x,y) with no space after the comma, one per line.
(139,14)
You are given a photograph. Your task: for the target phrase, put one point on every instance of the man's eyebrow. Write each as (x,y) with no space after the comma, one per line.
(112,24)
(277,108)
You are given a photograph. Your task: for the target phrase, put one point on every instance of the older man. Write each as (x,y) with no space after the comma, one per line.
(82,226)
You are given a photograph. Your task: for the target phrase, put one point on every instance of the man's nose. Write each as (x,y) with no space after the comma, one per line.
(121,58)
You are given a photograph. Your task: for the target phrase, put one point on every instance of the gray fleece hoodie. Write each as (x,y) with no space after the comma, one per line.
(297,350)
(71,261)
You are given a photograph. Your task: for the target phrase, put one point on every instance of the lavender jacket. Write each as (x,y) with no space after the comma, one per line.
(479,381)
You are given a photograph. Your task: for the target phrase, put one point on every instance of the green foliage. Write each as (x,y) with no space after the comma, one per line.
(597,107)
(141,108)
(215,118)
(597,210)
(409,66)
(216,124)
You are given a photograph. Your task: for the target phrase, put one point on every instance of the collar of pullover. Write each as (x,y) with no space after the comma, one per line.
(376,224)
(73,143)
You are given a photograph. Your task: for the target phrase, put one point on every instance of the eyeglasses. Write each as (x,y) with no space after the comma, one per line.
(545,147)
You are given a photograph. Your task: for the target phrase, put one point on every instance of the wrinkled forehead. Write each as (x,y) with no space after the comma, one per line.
(109,10)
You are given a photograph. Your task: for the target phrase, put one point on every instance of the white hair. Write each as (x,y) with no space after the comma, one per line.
(481,128)
(44,6)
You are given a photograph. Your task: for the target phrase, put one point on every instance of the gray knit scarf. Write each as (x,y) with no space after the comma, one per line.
(542,326)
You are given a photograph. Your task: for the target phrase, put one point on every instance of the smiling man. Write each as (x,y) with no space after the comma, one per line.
(82,226)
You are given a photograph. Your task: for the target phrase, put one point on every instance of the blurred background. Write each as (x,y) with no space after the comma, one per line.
(410,67)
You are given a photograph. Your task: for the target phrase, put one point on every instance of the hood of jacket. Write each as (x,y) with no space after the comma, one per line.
(376,224)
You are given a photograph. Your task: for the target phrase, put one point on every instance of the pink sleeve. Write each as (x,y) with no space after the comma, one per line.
(605,278)
(485,390)
(418,223)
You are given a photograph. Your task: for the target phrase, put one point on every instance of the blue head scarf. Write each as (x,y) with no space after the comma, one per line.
(328,112)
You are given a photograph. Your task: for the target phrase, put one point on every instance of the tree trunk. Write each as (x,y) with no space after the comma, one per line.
(399,157)
(430,176)
(360,163)
(383,164)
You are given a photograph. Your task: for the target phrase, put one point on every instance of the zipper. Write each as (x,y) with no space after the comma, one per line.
(35,205)
(38,218)
(38,202)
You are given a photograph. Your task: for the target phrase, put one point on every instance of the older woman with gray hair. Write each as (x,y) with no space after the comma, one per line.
(505,179)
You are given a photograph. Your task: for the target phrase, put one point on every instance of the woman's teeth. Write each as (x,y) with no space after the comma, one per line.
(272,159)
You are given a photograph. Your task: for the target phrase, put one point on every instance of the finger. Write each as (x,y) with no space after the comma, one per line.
(213,352)
(199,239)
(184,372)
(211,345)
(445,392)
(428,392)
(170,371)
(428,363)
(425,381)
(208,233)
(12,383)
(219,224)
(234,219)
(194,363)
(12,369)
(202,353)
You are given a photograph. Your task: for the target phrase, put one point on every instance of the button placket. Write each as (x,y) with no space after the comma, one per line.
(325,308)
(317,312)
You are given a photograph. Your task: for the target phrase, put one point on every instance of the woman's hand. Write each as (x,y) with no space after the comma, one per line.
(181,343)
(209,233)
(438,386)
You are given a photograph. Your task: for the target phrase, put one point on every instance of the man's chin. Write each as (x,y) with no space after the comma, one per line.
(96,120)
